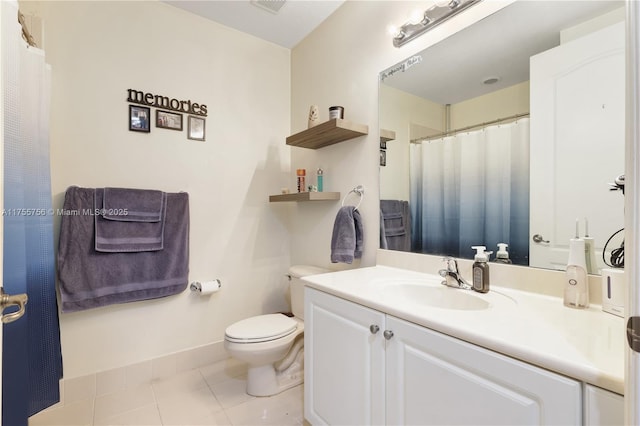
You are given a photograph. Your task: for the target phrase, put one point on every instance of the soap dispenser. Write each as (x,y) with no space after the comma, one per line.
(502,255)
(480,269)
(576,288)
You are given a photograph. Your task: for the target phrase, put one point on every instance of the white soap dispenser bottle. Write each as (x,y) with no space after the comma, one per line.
(502,255)
(576,288)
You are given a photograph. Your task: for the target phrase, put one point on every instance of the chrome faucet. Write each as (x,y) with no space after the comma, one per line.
(451,275)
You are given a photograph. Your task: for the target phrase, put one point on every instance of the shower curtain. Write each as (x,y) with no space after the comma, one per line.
(472,189)
(31,355)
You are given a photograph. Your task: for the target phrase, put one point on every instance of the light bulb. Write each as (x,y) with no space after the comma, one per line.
(393,30)
(415,16)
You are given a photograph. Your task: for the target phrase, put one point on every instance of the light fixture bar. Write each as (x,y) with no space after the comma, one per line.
(433,17)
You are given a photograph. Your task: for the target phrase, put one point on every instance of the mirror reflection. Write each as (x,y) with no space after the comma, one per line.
(509,132)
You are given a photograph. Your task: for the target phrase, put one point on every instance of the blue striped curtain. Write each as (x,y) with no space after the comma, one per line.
(32,360)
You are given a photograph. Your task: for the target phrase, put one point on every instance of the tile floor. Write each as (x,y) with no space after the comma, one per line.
(211,395)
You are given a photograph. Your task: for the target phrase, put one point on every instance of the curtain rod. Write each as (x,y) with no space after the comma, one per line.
(473,126)
(26,35)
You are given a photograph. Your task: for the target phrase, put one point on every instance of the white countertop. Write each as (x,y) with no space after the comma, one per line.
(585,344)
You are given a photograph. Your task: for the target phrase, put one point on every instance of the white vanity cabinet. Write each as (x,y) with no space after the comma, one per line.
(436,379)
(366,367)
(602,408)
(344,371)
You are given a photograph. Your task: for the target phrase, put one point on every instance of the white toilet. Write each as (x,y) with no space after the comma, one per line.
(272,344)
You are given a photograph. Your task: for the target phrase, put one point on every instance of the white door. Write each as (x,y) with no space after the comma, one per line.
(632,218)
(434,379)
(343,362)
(577,144)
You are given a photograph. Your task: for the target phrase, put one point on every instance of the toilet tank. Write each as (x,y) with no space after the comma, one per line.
(296,286)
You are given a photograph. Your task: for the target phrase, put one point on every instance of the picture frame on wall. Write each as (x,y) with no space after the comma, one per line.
(168,120)
(139,119)
(383,157)
(196,128)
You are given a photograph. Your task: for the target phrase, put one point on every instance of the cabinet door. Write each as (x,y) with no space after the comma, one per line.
(602,407)
(344,362)
(434,379)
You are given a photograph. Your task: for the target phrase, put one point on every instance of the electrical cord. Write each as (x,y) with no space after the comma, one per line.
(617,254)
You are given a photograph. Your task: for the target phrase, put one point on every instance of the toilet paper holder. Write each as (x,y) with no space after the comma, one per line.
(197,285)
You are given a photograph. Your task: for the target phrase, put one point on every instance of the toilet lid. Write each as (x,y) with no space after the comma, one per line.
(261,328)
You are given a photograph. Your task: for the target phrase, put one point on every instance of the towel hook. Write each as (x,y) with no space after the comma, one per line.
(357,190)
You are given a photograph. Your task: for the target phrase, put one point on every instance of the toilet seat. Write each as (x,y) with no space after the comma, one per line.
(261,328)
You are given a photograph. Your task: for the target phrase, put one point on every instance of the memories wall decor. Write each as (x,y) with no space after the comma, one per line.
(169,113)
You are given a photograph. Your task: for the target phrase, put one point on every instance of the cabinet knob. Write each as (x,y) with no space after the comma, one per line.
(388,334)
(374,328)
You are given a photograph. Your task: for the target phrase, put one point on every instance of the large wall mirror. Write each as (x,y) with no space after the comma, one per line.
(509,131)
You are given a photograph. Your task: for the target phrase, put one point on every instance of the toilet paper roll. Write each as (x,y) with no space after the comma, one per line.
(206,287)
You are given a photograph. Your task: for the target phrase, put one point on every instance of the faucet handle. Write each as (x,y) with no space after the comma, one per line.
(452,264)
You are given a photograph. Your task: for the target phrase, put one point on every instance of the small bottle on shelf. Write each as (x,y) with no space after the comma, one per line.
(301,180)
(320,180)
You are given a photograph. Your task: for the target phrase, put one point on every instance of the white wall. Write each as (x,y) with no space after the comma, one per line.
(506,102)
(100,49)
(338,64)
(400,112)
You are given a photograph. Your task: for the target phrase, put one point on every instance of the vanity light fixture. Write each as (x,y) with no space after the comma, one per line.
(435,15)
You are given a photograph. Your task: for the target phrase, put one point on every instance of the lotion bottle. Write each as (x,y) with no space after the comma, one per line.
(576,288)
(480,269)
(502,255)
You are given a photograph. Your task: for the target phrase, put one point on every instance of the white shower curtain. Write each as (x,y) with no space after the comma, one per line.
(472,189)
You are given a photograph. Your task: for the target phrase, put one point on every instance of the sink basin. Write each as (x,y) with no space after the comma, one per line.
(438,297)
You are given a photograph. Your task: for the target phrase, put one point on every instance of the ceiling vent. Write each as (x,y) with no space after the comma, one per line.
(272,6)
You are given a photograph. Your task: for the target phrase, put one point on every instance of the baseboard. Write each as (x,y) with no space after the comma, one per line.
(130,376)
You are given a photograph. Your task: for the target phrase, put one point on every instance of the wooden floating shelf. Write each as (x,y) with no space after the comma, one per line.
(387,135)
(305,196)
(327,133)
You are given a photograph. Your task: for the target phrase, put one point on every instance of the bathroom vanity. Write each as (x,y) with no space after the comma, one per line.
(391,346)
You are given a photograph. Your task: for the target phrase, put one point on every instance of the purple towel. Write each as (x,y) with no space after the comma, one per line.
(90,279)
(396,222)
(347,237)
(132,205)
(129,228)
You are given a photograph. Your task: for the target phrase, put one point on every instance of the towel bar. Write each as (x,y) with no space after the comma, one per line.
(357,190)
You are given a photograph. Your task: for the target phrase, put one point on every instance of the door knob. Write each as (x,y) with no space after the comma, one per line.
(540,239)
(374,328)
(6,301)
(388,334)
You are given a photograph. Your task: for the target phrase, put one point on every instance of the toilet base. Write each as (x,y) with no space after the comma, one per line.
(265,381)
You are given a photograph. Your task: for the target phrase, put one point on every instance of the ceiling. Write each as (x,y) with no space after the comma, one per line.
(292,23)
(498,46)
